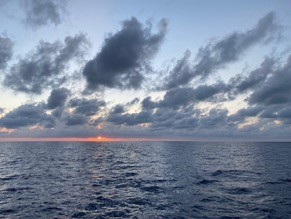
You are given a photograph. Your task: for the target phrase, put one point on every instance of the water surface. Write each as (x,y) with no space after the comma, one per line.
(145,180)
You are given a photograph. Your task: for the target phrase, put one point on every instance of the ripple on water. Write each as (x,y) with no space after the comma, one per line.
(78,214)
(92,207)
(279,181)
(153,189)
(239,191)
(107,202)
(9,177)
(119,214)
(130,174)
(231,172)
(138,201)
(206,182)
(138,180)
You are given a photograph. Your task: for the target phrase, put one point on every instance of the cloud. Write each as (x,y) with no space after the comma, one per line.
(6,47)
(43,12)
(76,119)
(184,96)
(130,119)
(27,115)
(217,54)
(117,109)
(276,89)
(57,98)
(243,83)
(45,66)
(87,107)
(166,120)
(82,111)
(124,56)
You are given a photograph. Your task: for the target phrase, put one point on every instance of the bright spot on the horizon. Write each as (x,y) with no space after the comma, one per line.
(99,138)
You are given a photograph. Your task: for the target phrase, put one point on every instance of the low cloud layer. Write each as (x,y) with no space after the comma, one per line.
(25,116)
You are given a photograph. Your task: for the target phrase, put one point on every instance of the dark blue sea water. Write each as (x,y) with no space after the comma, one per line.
(145,180)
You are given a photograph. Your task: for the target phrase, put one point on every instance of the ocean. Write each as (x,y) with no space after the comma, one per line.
(145,180)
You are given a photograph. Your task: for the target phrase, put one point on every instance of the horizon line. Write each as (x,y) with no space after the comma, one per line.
(106,139)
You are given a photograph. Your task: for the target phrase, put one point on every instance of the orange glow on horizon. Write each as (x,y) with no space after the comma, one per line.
(101,139)
(90,139)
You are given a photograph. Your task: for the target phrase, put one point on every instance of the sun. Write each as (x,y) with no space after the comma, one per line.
(99,139)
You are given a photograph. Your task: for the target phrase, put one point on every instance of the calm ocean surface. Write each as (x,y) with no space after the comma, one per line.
(145,180)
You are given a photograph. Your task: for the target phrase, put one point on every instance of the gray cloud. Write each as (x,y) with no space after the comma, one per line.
(42,12)
(216,54)
(182,97)
(276,89)
(271,113)
(76,119)
(185,119)
(6,46)
(124,57)
(82,111)
(45,67)
(247,112)
(27,115)
(87,107)
(130,119)
(57,98)
(117,109)
(244,83)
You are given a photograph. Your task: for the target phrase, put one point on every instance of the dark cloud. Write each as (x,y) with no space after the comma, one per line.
(187,118)
(147,103)
(242,83)
(276,89)
(27,115)
(182,96)
(217,54)
(42,12)
(45,66)
(58,112)
(133,102)
(184,119)
(76,119)
(125,56)
(268,113)
(216,118)
(130,119)
(87,107)
(82,112)
(117,109)
(6,46)
(247,112)
(1,110)
(57,98)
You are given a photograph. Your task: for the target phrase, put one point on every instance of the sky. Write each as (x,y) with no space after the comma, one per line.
(171,70)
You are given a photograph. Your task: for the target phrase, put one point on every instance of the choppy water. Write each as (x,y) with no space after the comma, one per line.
(145,180)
